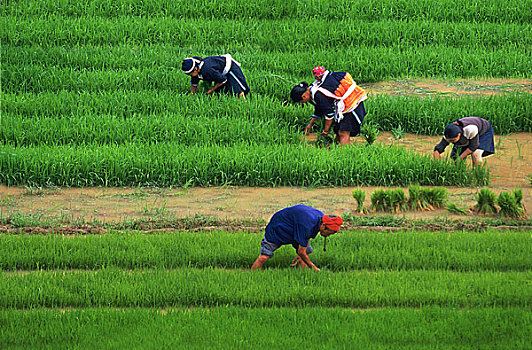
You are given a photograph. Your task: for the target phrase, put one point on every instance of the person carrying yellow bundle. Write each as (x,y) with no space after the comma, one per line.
(335,96)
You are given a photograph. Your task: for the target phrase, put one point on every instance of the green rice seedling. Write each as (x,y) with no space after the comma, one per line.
(324,141)
(506,327)
(172,164)
(127,249)
(378,200)
(489,11)
(388,200)
(370,132)
(161,288)
(504,111)
(435,197)
(453,208)
(398,200)
(416,198)
(518,195)
(359,196)
(509,205)
(398,132)
(486,202)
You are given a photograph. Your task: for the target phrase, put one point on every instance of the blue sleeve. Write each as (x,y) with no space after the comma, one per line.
(440,147)
(194,81)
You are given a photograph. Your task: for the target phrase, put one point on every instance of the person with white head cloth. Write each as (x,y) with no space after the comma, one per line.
(223,71)
(470,136)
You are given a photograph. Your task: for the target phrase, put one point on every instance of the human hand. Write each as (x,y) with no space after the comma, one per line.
(298,262)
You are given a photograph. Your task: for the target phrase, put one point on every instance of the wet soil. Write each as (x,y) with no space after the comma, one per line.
(510,168)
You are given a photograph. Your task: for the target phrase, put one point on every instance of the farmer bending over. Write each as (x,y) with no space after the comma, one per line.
(296,225)
(473,135)
(223,70)
(335,96)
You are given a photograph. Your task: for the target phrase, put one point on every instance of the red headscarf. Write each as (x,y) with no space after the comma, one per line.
(318,71)
(332,222)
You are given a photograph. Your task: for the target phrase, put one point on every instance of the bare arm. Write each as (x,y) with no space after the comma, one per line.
(437,155)
(302,253)
(309,126)
(466,153)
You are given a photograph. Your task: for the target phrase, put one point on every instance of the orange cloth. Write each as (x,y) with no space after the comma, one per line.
(357,96)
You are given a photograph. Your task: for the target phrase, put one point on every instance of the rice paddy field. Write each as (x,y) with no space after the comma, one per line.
(93,100)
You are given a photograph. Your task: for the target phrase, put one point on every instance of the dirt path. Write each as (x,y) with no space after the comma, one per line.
(457,87)
(511,168)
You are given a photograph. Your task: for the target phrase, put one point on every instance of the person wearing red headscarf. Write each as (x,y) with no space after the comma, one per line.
(296,226)
(337,99)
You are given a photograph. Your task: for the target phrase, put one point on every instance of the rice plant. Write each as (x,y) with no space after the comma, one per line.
(518,195)
(510,204)
(324,141)
(237,327)
(359,195)
(398,132)
(453,208)
(435,197)
(416,199)
(370,132)
(211,287)
(388,200)
(486,202)
(421,198)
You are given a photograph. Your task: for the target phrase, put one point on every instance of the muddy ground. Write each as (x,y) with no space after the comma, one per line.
(510,167)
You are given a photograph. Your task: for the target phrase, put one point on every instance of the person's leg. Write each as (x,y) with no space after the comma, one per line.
(236,82)
(260,261)
(266,252)
(343,137)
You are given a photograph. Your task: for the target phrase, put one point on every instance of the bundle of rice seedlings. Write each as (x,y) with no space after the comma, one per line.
(388,200)
(359,196)
(415,198)
(435,197)
(486,202)
(378,200)
(509,205)
(397,200)
(370,132)
(518,194)
(453,208)
(324,141)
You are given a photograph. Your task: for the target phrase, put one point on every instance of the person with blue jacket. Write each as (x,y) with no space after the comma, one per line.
(296,226)
(223,71)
